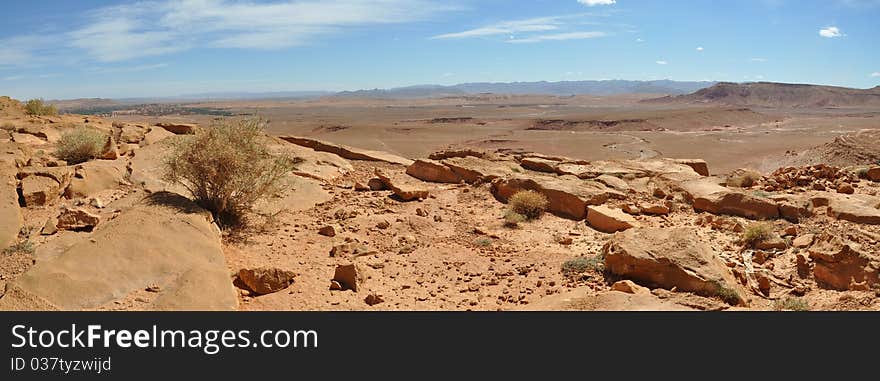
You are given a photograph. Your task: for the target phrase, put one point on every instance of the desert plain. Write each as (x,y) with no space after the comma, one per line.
(708,201)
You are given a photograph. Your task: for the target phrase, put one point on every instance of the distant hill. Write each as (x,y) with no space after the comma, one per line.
(82,103)
(777,95)
(565,88)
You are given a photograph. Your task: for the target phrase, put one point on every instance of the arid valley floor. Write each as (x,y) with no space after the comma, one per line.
(398,204)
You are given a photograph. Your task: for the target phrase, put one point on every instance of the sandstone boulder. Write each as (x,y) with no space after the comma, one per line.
(432,171)
(874,174)
(707,196)
(671,258)
(163,240)
(538,164)
(156,135)
(179,128)
(109,151)
(349,276)
(96,176)
(346,151)
(10,213)
(77,219)
(39,190)
(698,165)
(860,209)
(404,187)
(265,280)
(131,134)
(843,265)
(608,220)
(473,169)
(629,287)
(568,196)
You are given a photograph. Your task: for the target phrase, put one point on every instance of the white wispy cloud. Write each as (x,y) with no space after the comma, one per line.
(758,59)
(128,69)
(662,62)
(592,3)
(830,32)
(13,77)
(875,74)
(558,37)
(539,24)
(700,49)
(129,31)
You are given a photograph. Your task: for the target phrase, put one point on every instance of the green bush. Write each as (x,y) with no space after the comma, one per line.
(757,232)
(581,265)
(512,219)
(80,145)
(791,304)
(528,203)
(227,168)
(38,107)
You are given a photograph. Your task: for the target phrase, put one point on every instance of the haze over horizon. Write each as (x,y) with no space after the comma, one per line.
(119,49)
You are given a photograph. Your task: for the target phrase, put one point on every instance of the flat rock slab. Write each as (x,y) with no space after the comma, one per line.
(670,258)
(347,152)
(608,220)
(162,240)
(707,196)
(568,196)
(405,187)
(10,213)
(861,209)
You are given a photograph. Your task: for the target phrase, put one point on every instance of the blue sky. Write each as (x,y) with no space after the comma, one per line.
(100,48)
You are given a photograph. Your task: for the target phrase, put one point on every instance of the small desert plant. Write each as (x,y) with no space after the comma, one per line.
(746,180)
(757,232)
(512,219)
(25,247)
(483,242)
(227,168)
(581,265)
(38,107)
(8,126)
(726,294)
(791,304)
(862,172)
(528,203)
(80,145)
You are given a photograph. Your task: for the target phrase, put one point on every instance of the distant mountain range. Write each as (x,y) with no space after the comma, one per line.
(777,95)
(564,88)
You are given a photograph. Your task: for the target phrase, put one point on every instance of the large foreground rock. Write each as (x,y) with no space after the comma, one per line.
(469,169)
(670,258)
(163,240)
(843,265)
(179,128)
(265,280)
(568,196)
(874,174)
(861,209)
(707,196)
(406,188)
(608,220)
(347,152)
(10,213)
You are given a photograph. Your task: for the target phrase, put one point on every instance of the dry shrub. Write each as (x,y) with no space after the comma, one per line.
(528,203)
(38,107)
(791,304)
(80,145)
(227,168)
(757,232)
(512,219)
